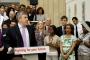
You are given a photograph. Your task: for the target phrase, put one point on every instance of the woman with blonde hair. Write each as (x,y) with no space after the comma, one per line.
(40,34)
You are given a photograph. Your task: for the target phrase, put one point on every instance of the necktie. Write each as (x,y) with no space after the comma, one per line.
(76,31)
(24,36)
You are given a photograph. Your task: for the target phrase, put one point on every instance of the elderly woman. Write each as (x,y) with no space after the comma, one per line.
(84,47)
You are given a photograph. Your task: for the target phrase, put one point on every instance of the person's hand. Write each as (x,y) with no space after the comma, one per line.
(65,57)
(1,49)
(78,41)
(9,50)
(57,45)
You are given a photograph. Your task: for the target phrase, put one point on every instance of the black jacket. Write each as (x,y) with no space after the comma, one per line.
(14,38)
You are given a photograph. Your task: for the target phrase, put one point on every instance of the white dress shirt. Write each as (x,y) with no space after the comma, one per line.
(79,28)
(63,31)
(27,44)
(1,21)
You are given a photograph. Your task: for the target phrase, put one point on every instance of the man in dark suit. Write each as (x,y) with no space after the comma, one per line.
(63,22)
(22,35)
(60,29)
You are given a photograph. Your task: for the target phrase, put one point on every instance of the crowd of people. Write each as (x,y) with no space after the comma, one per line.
(66,42)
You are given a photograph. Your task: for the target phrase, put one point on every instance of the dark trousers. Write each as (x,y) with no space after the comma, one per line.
(58,50)
(76,52)
(42,56)
(3,55)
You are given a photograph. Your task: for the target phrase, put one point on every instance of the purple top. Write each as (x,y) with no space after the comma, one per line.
(1,39)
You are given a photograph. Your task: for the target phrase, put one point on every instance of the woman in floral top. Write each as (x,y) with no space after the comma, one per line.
(67,43)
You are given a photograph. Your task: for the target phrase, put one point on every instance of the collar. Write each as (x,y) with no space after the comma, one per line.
(21,26)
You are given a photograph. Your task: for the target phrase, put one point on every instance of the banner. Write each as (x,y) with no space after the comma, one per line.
(31,50)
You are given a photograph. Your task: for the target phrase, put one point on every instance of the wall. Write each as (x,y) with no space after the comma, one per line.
(78,8)
(9,0)
(53,8)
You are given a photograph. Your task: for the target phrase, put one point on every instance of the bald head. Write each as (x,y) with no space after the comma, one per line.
(48,21)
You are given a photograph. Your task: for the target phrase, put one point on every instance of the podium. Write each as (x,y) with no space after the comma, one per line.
(31,53)
(30,56)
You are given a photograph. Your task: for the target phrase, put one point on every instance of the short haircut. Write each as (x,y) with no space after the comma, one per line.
(40,8)
(75,18)
(64,17)
(19,14)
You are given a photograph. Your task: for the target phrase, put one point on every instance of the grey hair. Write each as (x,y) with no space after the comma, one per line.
(19,14)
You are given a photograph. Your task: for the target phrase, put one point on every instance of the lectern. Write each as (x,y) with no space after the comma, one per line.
(31,53)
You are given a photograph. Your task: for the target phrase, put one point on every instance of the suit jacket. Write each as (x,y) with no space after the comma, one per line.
(14,38)
(59,29)
(31,17)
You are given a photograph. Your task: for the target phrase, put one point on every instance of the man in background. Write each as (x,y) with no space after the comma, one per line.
(77,32)
(60,29)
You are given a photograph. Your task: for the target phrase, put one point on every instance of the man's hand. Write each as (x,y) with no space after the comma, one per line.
(1,49)
(9,50)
